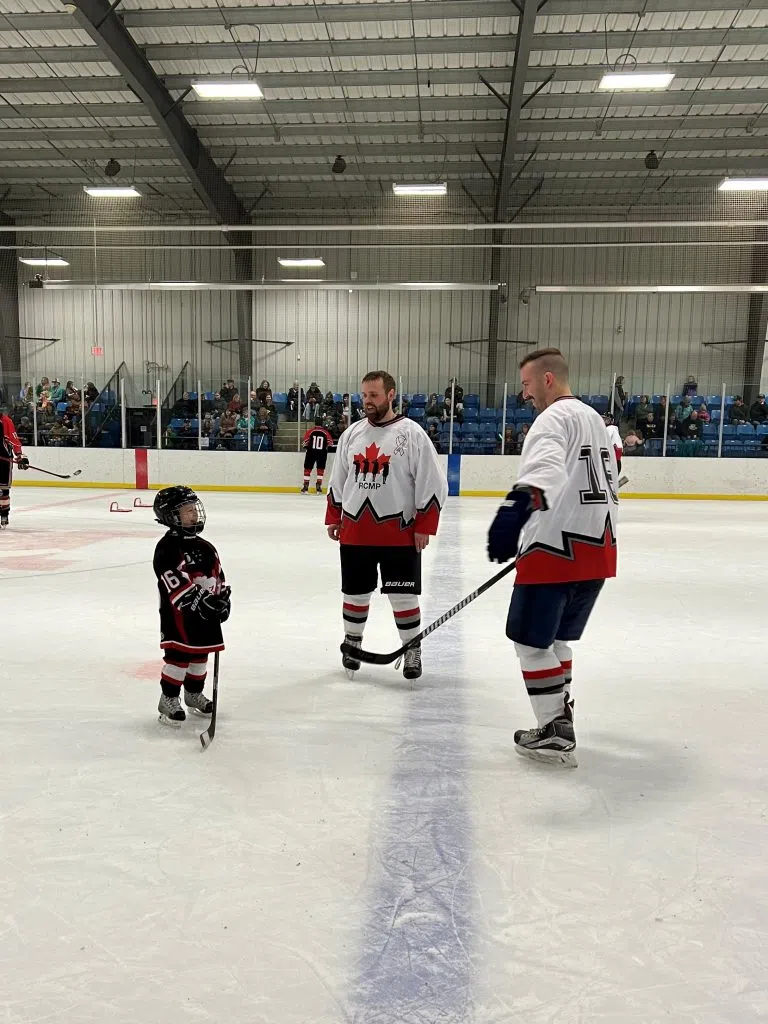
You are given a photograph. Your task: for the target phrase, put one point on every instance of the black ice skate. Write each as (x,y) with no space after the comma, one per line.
(412,662)
(305,488)
(351,664)
(319,487)
(171,712)
(553,743)
(3,520)
(198,702)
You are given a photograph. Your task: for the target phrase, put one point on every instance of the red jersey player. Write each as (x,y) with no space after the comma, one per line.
(10,455)
(317,442)
(384,500)
(193,603)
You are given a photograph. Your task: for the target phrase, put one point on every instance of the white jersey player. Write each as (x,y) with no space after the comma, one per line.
(614,437)
(560,522)
(384,499)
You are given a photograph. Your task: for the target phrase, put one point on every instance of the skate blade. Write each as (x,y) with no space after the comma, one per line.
(169,722)
(351,672)
(197,711)
(562,758)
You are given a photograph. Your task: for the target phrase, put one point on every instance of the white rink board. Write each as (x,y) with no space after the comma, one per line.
(480,474)
(367,852)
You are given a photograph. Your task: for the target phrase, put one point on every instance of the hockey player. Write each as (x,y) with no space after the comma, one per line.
(615,437)
(193,603)
(317,442)
(10,455)
(560,521)
(384,500)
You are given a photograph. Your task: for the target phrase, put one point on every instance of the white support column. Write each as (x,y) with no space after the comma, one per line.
(34,416)
(83,412)
(199,417)
(159,418)
(123,415)
(504,422)
(400,393)
(453,397)
(249,405)
(666,424)
(722,421)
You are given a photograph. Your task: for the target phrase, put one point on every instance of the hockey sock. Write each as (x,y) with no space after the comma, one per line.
(307,475)
(355,613)
(543,675)
(196,674)
(407,615)
(320,475)
(565,654)
(5,500)
(173,675)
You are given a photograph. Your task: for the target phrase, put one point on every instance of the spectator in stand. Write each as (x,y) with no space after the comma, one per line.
(758,411)
(641,412)
(262,391)
(25,430)
(58,434)
(58,393)
(341,425)
(738,411)
(295,401)
(684,409)
(672,426)
(263,424)
(433,436)
(228,390)
(690,431)
(244,423)
(207,426)
(521,436)
(703,412)
(328,405)
(661,410)
(271,408)
(187,435)
(26,393)
(185,407)
(91,392)
(314,401)
(236,404)
(434,410)
(633,443)
(619,398)
(43,386)
(457,391)
(690,388)
(227,427)
(346,404)
(509,446)
(652,427)
(70,391)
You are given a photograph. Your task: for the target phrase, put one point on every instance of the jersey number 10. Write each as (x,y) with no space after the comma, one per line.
(595,494)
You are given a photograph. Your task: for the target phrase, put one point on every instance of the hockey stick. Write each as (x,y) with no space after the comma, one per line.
(61,476)
(386,659)
(206,738)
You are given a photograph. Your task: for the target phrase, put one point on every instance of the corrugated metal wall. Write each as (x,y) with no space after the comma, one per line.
(335,336)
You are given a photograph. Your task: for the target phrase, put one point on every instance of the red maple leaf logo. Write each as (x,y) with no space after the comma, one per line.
(373,462)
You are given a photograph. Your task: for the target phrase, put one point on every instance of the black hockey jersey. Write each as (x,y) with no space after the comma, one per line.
(183,564)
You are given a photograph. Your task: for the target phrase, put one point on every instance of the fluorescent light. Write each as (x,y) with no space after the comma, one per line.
(111,191)
(743,185)
(634,80)
(229,89)
(43,261)
(650,289)
(179,284)
(435,188)
(301,261)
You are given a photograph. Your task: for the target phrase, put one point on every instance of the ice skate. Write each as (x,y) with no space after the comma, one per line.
(171,712)
(553,743)
(305,488)
(351,665)
(198,702)
(412,662)
(3,520)
(319,487)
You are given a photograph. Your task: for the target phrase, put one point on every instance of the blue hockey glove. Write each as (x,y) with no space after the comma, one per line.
(504,534)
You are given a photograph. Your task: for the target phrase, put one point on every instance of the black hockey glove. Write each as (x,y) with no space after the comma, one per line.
(210,607)
(504,534)
(22,462)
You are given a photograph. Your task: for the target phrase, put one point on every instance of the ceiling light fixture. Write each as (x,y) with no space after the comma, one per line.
(301,261)
(112,167)
(435,188)
(111,191)
(228,89)
(650,289)
(743,185)
(339,165)
(43,261)
(635,80)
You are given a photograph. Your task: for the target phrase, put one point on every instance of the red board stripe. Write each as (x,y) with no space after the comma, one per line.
(142,469)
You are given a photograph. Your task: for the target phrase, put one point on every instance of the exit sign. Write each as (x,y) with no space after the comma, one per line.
(97,350)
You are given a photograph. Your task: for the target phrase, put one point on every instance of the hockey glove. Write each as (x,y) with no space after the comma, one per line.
(504,534)
(210,607)
(22,462)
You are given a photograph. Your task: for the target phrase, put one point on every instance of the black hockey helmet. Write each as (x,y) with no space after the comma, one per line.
(167,506)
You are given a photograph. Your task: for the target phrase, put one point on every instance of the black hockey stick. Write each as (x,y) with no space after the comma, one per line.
(61,476)
(206,738)
(386,659)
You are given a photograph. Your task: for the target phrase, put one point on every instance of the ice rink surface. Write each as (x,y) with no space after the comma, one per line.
(367,852)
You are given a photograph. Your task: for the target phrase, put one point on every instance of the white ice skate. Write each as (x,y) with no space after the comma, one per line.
(171,712)
(198,703)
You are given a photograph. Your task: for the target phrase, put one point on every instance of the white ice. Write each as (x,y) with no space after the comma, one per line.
(366,851)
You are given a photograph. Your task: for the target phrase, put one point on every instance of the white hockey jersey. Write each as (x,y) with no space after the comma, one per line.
(386,484)
(569,458)
(615,438)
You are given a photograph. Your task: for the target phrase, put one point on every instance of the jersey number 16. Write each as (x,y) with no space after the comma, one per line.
(595,494)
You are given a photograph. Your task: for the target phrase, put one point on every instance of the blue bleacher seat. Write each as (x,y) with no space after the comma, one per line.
(676,399)
(524,416)
(210,396)
(356,398)
(471,429)
(762,430)
(471,400)
(471,414)
(419,399)
(488,415)
(337,397)
(193,396)
(713,400)
(416,413)
(729,430)
(745,430)
(715,415)
(709,432)
(600,402)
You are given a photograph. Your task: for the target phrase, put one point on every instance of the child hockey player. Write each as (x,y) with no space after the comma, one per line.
(317,443)
(193,603)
